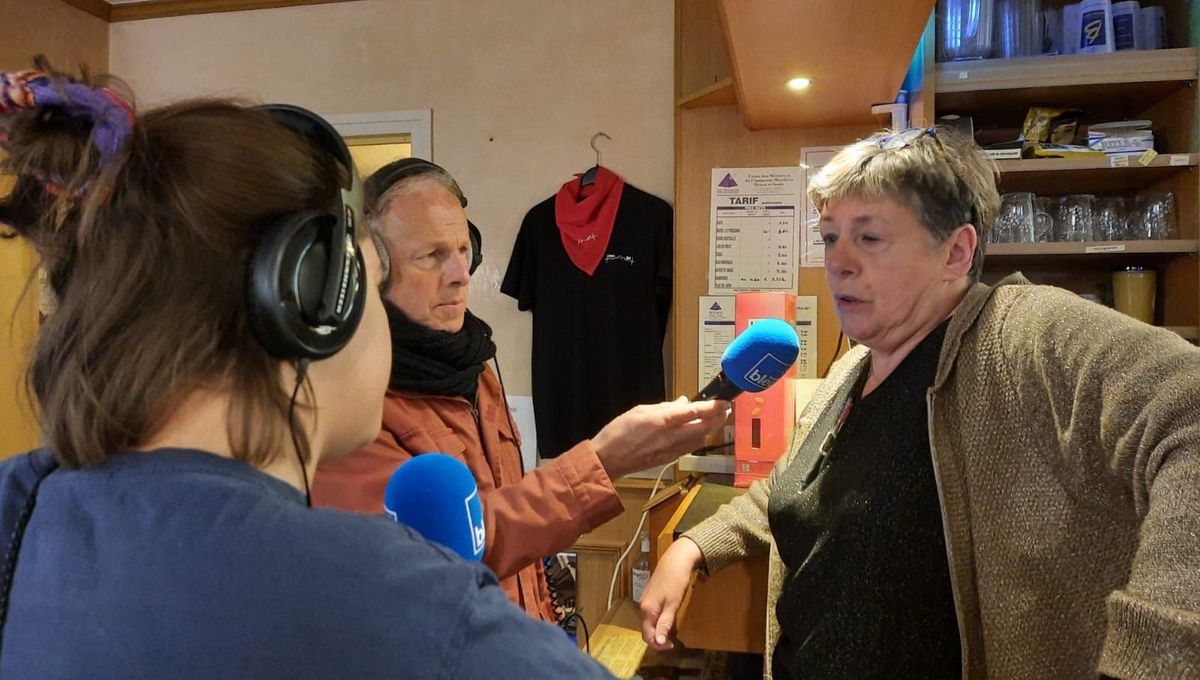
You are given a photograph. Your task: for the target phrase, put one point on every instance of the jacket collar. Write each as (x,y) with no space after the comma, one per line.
(964,319)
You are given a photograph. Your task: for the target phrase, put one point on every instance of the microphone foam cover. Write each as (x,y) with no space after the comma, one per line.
(435,495)
(761,354)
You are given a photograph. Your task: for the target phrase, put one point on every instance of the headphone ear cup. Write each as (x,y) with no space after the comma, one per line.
(286,280)
(476,239)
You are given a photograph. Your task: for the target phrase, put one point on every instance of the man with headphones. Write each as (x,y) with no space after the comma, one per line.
(442,397)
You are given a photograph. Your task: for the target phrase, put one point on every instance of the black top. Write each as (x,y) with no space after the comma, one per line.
(867,592)
(597,340)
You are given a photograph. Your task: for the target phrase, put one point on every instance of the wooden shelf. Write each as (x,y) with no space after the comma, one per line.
(1091,248)
(1109,86)
(1095,164)
(720,93)
(1062,176)
(1143,66)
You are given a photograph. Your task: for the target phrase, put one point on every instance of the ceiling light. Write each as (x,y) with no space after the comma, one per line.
(798,84)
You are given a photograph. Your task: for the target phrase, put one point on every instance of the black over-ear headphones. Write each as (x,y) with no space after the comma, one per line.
(307,280)
(387,176)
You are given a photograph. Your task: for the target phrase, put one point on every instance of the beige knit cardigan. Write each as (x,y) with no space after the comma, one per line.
(1065,440)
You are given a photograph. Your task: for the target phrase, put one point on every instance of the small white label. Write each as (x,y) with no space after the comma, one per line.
(962,75)
(1118,161)
(1179,159)
(1111,248)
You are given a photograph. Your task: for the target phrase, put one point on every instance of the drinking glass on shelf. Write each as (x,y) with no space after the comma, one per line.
(1153,216)
(1075,216)
(964,29)
(1044,209)
(1109,219)
(1015,221)
(1018,28)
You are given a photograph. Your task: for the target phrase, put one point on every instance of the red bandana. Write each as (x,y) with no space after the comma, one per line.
(585,217)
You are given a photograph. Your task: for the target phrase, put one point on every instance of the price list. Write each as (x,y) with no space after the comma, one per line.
(754,238)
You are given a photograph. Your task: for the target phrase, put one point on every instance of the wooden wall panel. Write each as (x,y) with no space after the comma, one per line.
(701,57)
(69,36)
(716,137)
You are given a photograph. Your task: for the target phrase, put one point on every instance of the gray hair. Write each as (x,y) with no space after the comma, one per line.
(402,177)
(943,177)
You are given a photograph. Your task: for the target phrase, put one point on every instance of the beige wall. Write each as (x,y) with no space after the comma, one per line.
(70,38)
(517,88)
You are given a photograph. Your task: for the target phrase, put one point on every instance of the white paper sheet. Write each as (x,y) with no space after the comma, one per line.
(521,409)
(716,332)
(754,229)
(812,159)
(806,329)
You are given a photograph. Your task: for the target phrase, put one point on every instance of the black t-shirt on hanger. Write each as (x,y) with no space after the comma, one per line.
(597,340)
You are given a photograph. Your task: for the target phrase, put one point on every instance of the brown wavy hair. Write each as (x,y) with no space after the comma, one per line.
(147,256)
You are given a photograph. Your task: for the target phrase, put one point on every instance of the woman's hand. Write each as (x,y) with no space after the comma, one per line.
(664,593)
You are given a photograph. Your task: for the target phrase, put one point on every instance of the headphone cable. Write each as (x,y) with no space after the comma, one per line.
(512,427)
(587,636)
(301,374)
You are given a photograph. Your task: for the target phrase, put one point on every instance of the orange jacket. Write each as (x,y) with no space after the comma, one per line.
(527,516)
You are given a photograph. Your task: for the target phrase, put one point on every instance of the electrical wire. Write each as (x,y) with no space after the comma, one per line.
(612,584)
(836,349)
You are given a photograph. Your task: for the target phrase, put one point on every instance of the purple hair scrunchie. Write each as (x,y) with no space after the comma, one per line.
(111,116)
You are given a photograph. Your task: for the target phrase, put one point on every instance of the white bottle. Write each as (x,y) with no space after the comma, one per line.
(1095,27)
(1127,25)
(1154,28)
(641,569)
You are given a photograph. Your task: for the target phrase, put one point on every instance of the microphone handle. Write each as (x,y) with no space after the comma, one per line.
(719,388)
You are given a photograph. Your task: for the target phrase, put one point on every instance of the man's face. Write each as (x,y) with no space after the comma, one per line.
(426,230)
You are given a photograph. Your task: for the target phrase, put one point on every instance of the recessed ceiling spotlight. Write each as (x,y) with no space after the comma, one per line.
(798,84)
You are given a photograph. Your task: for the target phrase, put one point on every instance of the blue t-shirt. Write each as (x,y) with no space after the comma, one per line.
(181,564)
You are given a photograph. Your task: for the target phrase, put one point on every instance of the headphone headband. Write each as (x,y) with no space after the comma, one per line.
(387,177)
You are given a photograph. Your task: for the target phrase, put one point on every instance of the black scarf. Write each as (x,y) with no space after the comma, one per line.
(426,361)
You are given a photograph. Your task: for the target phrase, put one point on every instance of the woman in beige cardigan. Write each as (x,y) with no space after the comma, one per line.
(996,482)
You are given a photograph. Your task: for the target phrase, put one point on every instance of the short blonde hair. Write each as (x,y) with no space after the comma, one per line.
(944,178)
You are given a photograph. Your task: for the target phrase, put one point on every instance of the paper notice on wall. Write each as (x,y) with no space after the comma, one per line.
(805,389)
(806,330)
(716,332)
(812,159)
(754,239)
(521,409)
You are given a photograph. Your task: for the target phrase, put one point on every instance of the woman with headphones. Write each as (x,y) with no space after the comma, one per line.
(217,332)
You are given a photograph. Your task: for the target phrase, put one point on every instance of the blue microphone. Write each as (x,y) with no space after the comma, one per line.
(435,495)
(754,360)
